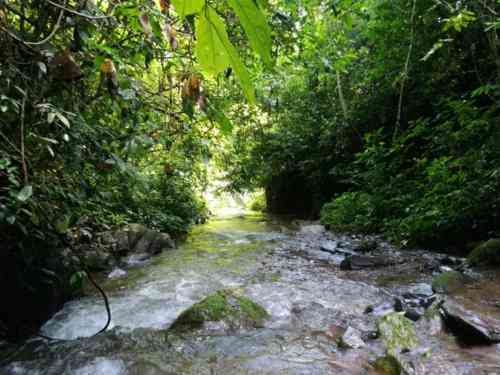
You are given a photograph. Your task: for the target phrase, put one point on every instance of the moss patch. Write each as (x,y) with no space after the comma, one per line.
(397,333)
(486,254)
(387,365)
(448,282)
(223,306)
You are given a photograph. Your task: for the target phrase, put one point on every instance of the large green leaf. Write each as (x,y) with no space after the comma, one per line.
(186,7)
(255,25)
(210,50)
(215,52)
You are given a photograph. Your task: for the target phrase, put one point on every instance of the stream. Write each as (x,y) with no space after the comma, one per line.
(277,264)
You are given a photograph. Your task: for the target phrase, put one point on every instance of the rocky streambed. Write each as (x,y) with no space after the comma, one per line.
(250,295)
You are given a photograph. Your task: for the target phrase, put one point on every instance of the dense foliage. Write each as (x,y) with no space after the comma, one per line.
(390,110)
(109,111)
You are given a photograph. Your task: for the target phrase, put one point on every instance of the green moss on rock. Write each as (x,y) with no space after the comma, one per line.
(223,306)
(387,365)
(448,282)
(486,254)
(397,333)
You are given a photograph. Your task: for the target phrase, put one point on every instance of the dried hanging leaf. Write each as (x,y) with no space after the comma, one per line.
(66,68)
(146,25)
(163,5)
(171,35)
(110,75)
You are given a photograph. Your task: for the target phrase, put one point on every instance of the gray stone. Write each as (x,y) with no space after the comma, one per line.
(356,262)
(470,326)
(97,260)
(135,232)
(351,339)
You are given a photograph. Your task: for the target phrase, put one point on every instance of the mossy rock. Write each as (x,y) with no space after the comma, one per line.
(224,306)
(486,254)
(387,365)
(397,333)
(366,246)
(448,282)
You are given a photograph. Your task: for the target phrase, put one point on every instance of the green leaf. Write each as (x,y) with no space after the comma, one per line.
(186,7)
(210,50)
(25,193)
(62,225)
(215,52)
(256,27)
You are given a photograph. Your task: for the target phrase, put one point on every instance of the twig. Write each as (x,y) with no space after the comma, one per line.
(23,156)
(78,13)
(405,71)
(51,35)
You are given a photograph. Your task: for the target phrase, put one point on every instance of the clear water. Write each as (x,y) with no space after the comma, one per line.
(310,305)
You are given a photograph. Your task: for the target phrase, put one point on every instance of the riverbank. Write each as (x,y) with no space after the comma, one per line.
(324,311)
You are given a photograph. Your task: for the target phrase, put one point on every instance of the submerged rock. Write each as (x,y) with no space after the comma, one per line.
(448,282)
(397,333)
(225,307)
(486,254)
(469,326)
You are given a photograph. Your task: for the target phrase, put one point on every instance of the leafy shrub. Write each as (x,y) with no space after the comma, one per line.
(258,202)
(351,211)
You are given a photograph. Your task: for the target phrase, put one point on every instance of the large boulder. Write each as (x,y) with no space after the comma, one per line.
(97,259)
(470,326)
(448,282)
(397,333)
(486,254)
(226,308)
(136,239)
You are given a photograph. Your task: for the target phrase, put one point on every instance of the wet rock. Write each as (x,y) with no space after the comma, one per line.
(397,333)
(153,242)
(225,307)
(97,260)
(368,310)
(398,305)
(451,261)
(486,254)
(329,246)
(469,326)
(357,262)
(387,365)
(448,282)
(351,339)
(432,321)
(420,290)
(134,232)
(315,229)
(367,246)
(413,313)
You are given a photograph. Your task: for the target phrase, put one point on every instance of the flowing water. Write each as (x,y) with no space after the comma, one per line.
(310,302)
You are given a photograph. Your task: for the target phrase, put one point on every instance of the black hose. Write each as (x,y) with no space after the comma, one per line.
(106,304)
